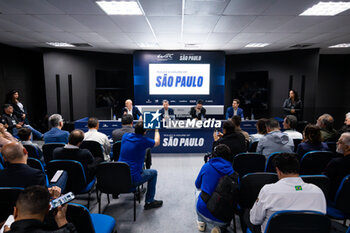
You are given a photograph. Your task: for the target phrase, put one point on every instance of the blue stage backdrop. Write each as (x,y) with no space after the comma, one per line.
(182,77)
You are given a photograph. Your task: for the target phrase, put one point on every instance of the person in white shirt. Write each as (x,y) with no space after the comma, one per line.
(94,135)
(289,124)
(289,193)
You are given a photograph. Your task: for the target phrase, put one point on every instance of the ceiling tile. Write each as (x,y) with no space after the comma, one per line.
(142,37)
(165,24)
(200,24)
(30,22)
(161,7)
(114,36)
(233,23)
(90,37)
(64,22)
(77,6)
(205,7)
(300,23)
(97,22)
(287,7)
(247,37)
(194,38)
(267,23)
(168,37)
(33,7)
(131,23)
(219,38)
(247,7)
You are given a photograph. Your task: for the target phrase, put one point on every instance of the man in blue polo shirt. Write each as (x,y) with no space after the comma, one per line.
(132,152)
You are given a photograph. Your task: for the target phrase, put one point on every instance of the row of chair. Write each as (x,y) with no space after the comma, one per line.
(312,163)
(251,184)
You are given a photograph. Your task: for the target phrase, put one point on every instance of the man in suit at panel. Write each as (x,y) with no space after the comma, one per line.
(166,111)
(234,110)
(132,110)
(198,112)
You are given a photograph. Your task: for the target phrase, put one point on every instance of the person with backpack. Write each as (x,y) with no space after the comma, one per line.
(209,177)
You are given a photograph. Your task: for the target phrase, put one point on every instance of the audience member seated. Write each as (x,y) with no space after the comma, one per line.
(71,151)
(290,123)
(231,138)
(338,168)
(5,137)
(56,134)
(328,133)
(24,135)
(346,127)
(94,135)
(132,110)
(207,181)
(132,152)
(237,122)
(198,112)
(31,208)
(18,173)
(261,128)
(234,110)
(13,123)
(166,111)
(127,127)
(312,141)
(127,122)
(289,193)
(274,140)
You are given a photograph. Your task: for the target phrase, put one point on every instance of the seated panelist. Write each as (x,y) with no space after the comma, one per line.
(166,111)
(234,110)
(198,112)
(132,110)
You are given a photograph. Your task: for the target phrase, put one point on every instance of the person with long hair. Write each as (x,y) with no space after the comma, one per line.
(293,105)
(312,141)
(18,108)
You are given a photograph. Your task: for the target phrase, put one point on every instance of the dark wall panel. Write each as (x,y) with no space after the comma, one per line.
(82,66)
(22,70)
(280,66)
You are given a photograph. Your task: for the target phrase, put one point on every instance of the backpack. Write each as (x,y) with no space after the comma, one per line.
(221,203)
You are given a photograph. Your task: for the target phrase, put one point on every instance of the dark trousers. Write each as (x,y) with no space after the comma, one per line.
(246,219)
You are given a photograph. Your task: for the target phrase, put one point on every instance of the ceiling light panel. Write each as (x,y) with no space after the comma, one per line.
(345,45)
(60,44)
(326,9)
(120,7)
(256,45)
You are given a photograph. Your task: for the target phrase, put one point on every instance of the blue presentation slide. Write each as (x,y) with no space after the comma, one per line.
(182,77)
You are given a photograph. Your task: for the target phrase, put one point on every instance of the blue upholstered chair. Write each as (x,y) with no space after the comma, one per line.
(340,207)
(321,181)
(48,150)
(314,162)
(245,163)
(8,198)
(77,181)
(85,222)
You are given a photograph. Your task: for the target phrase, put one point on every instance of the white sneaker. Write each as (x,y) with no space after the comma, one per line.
(201,226)
(216,230)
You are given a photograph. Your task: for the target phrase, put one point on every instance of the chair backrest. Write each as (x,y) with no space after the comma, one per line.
(8,198)
(79,215)
(298,222)
(296,143)
(332,146)
(270,167)
(250,186)
(342,197)
(94,147)
(253,146)
(245,163)
(2,161)
(116,150)
(32,151)
(48,150)
(321,181)
(113,177)
(35,163)
(314,162)
(76,175)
